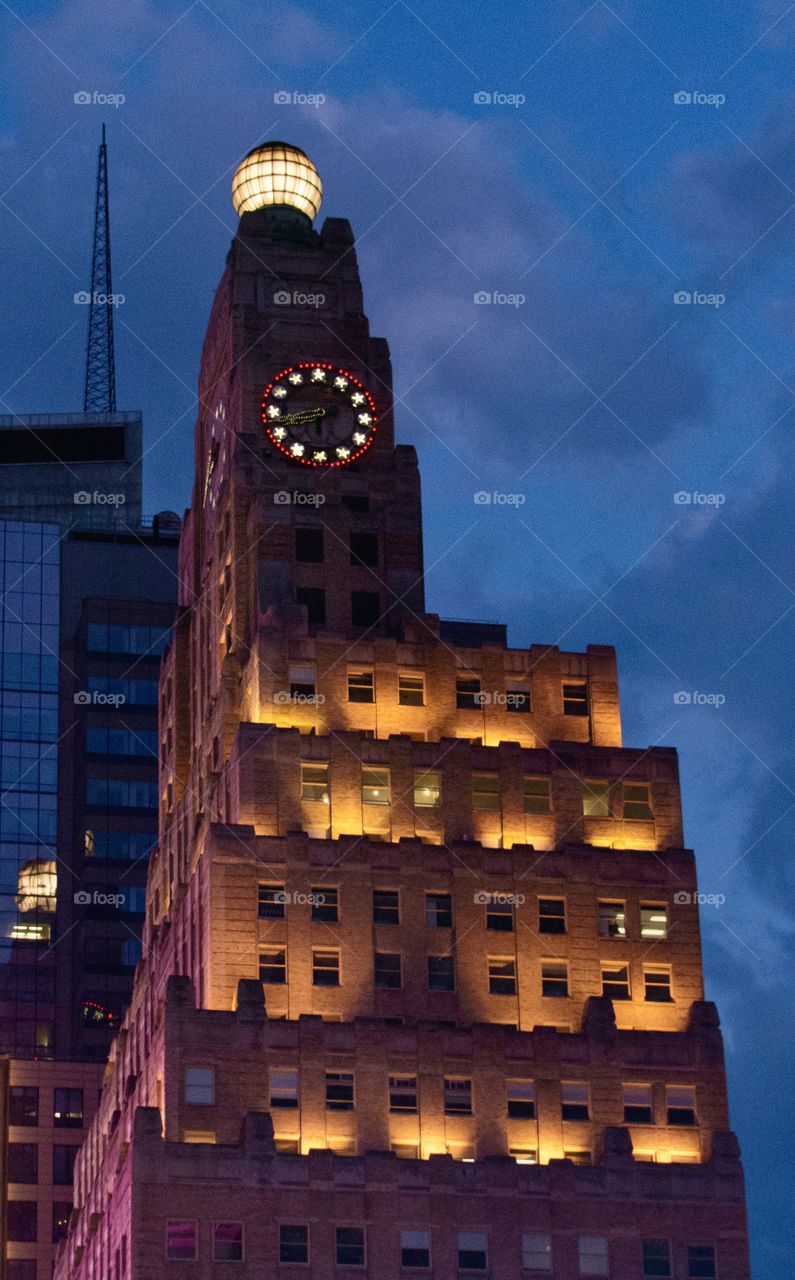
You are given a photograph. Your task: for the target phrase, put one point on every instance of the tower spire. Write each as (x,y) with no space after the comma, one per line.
(100,385)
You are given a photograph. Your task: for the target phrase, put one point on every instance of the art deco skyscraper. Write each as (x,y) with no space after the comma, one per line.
(421,991)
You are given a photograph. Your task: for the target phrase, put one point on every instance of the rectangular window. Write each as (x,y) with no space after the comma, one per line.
(438,910)
(350,1247)
(364,549)
(403,1093)
(611,918)
(486,792)
(302,681)
(575,699)
(427,789)
(536,795)
(23,1105)
(68,1108)
(551,915)
(294,1244)
(457,1096)
(21,1269)
(22,1218)
(23,1162)
(517,698)
(365,608)
(314,600)
(200,1086)
(441,973)
(181,1241)
(411,689)
(375,786)
(593,1256)
(387,970)
(415,1248)
(656,1258)
(273,966)
(615,981)
(61,1213)
(701,1262)
(472,1253)
(361,686)
(499,913)
(315,783)
(467,693)
(227,1242)
(657,986)
(502,975)
(325,968)
(309,546)
(521,1099)
(283,1089)
(386,906)
(654,921)
(537,1253)
(325,904)
(270,901)
(554,979)
(339,1091)
(574,1101)
(637,801)
(680,1104)
(637,1104)
(63,1164)
(596,798)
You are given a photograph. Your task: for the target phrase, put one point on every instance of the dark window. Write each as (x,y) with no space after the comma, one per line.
(656,1258)
(227,1242)
(402,1093)
(364,549)
(411,689)
(21,1269)
(309,546)
(350,1246)
(339,1091)
(22,1220)
(502,976)
(63,1164)
(358,502)
(701,1261)
(387,970)
(471,1251)
(23,1162)
(68,1109)
(457,1096)
(284,1089)
(499,913)
(521,1099)
(517,698)
(23,1105)
(575,699)
(271,900)
(61,1211)
(657,986)
(574,1102)
(360,686)
(293,1244)
(325,968)
(315,600)
(181,1241)
(325,904)
(637,1104)
(441,973)
(467,693)
(551,915)
(615,982)
(273,966)
(554,979)
(415,1249)
(365,608)
(438,910)
(681,1104)
(637,801)
(536,795)
(386,906)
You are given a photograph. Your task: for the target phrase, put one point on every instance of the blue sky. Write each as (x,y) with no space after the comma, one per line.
(597,398)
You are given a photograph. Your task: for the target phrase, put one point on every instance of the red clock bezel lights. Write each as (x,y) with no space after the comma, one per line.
(339,372)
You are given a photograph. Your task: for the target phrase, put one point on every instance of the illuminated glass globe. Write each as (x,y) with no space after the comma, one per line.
(277,174)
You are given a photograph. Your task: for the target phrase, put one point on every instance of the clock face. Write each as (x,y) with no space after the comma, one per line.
(319,415)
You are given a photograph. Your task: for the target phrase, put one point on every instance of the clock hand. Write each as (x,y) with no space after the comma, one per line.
(298,419)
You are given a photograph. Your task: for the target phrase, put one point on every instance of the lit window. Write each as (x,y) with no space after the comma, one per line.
(596,799)
(325,968)
(612,920)
(360,686)
(438,910)
(593,1256)
(315,783)
(575,699)
(283,1089)
(273,966)
(350,1247)
(227,1242)
(403,1093)
(68,1108)
(387,970)
(657,986)
(200,1086)
(680,1104)
(637,800)
(375,786)
(701,1262)
(457,1096)
(486,792)
(270,902)
(574,1101)
(302,681)
(615,982)
(656,1258)
(441,973)
(653,921)
(502,975)
(411,689)
(339,1091)
(536,794)
(427,789)
(521,1099)
(181,1240)
(415,1248)
(554,978)
(386,906)
(472,1252)
(551,915)
(637,1104)
(537,1253)
(467,693)
(293,1244)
